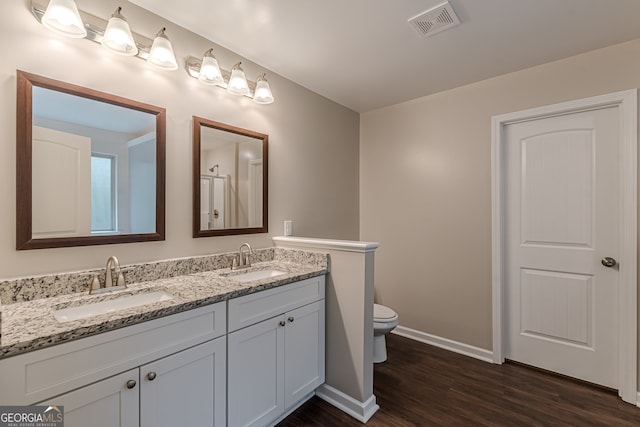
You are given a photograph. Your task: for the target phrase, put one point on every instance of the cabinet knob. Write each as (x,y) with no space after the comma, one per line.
(131,384)
(282,323)
(291,319)
(151,376)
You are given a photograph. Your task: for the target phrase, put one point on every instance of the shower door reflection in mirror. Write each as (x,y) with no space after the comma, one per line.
(214,193)
(230,179)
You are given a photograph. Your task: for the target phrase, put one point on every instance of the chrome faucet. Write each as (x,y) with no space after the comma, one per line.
(242,261)
(112,263)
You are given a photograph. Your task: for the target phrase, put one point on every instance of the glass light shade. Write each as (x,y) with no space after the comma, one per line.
(161,54)
(263,94)
(210,70)
(62,16)
(237,82)
(117,36)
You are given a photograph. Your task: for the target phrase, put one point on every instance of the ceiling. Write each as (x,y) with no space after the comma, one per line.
(364,55)
(63,107)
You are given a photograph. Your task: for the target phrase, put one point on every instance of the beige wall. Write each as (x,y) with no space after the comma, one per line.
(313,146)
(425,187)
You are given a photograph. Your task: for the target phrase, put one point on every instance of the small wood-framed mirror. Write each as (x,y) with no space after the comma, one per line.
(230,171)
(90,166)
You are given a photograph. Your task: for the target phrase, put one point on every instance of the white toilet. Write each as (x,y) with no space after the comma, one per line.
(384,321)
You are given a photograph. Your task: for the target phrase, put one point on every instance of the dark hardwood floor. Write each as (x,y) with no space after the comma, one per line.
(421,385)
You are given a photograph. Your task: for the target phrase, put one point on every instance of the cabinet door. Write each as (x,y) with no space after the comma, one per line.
(304,351)
(107,403)
(256,376)
(185,389)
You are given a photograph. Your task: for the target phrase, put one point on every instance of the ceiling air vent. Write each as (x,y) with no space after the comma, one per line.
(434,20)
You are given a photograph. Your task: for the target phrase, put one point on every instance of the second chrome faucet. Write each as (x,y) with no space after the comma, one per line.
(242,261)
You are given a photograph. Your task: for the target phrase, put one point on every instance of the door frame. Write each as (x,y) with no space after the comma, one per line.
(626,101)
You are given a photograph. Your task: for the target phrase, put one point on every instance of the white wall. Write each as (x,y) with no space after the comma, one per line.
(142,176)
(313,142)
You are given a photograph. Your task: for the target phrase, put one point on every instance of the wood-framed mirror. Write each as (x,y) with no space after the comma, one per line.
(90,166)
(230,179)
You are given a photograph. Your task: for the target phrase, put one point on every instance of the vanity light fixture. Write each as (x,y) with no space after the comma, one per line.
(117,36)
(259,91)
(262,93)
(62,16)
(238,81)
(161,54)
(210,70)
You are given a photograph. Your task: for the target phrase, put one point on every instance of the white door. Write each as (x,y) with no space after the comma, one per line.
(256,373)
(185,389)
(561,220)
(218,207)
(108,403)
(304,351)
(205,202)
(61,184)
(255,193)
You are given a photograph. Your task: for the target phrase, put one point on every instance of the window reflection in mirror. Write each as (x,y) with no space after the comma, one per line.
(230,180)
(90,166)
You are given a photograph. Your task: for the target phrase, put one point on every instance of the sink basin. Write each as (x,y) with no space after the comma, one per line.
(256,275)
(109,306)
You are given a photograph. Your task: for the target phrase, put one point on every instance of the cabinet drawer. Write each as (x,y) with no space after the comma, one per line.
(250,309)
(41,374)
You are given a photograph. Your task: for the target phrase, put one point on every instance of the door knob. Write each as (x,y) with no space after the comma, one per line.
(151,376)
(281,323)
(131,384)
(608,262)
(290,319)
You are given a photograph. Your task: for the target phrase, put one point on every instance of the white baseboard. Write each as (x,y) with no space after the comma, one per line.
(361,411)
(445,343)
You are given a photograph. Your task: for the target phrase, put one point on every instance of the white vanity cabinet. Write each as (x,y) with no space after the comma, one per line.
(276,351)
(107,403)
(246,361)
(164,372)
(186,388)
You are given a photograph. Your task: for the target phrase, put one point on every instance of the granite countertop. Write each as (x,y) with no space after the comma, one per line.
(31,325)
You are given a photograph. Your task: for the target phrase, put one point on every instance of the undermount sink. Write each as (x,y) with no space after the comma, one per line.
(124,302)
(256,275)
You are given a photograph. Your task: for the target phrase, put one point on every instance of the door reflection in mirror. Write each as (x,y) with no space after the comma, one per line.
(107,153)
(90,166)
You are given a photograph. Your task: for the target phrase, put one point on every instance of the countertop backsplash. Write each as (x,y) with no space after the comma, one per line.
(46,286)
(28,304)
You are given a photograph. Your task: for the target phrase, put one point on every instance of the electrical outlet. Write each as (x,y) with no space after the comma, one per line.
(288,228)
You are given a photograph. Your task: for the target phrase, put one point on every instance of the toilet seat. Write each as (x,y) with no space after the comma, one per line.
(383,313)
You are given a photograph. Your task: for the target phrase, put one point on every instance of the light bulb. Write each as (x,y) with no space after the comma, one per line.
(237,82)
(117,36)
(161,54)
(62,16)
(210,70)
(263,94)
